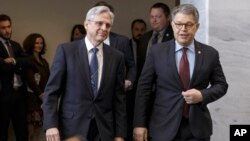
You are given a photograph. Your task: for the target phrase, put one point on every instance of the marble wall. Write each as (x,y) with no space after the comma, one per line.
(228,31)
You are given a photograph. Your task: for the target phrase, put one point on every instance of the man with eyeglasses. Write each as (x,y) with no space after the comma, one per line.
(88,76)
(188,76)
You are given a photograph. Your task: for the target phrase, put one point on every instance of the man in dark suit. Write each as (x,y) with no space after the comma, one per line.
(12,88)
(138,28)
(161,32)
(121,43)
(90,107)
(187,75)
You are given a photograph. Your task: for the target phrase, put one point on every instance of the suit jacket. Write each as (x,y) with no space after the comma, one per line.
(122,44)
(70,80)
(167,109)
(7,70)
(143,46)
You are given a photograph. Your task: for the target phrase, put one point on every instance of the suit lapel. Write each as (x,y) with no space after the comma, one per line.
(84,64)
(198,60)
(173,62)
(3,51)
(107,61)
(112,40)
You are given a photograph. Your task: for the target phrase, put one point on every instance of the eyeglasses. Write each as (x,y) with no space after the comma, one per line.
(187,25)
(100,23)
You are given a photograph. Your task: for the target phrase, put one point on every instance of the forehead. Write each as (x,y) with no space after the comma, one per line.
(4,23)
(180,17)
(139,24)
(156,11)
(39,39)
(104,16)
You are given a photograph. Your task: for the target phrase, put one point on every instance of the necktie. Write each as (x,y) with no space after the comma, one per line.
(17,78)
(155,39)
(185,77)
(94,70)
(10,50)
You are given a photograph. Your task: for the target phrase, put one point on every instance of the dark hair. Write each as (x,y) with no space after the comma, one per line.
(4,17)
(104,3)
(29,43)
(163,6)
(80,27)
(138,21)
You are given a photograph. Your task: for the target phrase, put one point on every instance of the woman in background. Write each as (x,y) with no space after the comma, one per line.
(78,32)
(36,78)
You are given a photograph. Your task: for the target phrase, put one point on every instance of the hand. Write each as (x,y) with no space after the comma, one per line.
(140,134)
(52,134)
(192,96)
(119,139)
(41,96)
(128,84)
(9,60)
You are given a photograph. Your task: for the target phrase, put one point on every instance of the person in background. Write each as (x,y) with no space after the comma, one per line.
(12,84)
(138,28)
(78,32)
(37,77)
(121,43)
(161,31)
(187,76)
(93,100)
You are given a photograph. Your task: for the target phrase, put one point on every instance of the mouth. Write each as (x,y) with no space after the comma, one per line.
(183,35)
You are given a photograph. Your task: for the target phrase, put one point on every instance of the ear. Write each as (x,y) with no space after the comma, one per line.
(197,25)
(85,24)
(172,23)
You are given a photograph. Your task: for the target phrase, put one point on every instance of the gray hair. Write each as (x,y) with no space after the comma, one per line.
(187,9)
(97,10)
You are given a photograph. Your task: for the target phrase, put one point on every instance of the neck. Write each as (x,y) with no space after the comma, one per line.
(37,56)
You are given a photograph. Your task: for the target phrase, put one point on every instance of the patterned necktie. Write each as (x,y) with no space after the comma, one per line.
(155,39)
(10,50)
(185,77)
(94,70)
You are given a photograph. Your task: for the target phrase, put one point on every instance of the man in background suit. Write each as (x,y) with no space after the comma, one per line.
(188,76)
(12,85)
(161,31)
(121,43)
(97,113)
(138,28)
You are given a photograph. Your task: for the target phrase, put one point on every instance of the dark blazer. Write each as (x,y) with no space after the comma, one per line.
(122,44)
(12,102)
(166,114)
(41,68)
(70,80)
(7,70)
(143,46)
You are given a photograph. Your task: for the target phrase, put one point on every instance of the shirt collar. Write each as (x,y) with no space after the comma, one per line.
(160,33)
(90,45)
(2,40)
(179,47)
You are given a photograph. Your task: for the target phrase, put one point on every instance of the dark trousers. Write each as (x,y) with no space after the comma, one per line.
(184,133)
(93,133)
(14,109)
(130,113)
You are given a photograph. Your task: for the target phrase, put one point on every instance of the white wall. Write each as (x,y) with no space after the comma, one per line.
(229,33)
(55,18)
